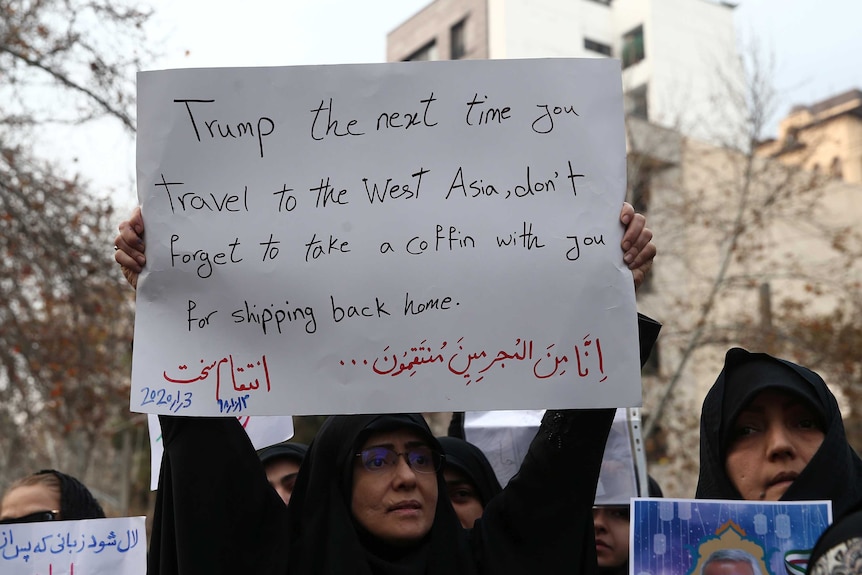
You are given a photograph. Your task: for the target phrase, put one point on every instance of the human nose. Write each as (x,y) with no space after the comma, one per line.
(599,521)
(404,474)
(779,442)
(284,494)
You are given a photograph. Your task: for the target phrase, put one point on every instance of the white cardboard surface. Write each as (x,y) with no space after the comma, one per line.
(505,436)
(382,238)
(116,546)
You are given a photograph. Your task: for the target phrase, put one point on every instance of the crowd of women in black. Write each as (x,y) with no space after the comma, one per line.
(375,494)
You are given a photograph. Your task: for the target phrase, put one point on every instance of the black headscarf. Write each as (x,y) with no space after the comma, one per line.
(285,450)
(834,472)
(76,501)
(215,512)
(471,461)
(839,549)
(324,537)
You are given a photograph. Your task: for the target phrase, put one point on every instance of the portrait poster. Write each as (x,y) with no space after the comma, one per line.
(692,537)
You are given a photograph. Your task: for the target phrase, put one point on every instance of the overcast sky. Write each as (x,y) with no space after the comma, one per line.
(815,43)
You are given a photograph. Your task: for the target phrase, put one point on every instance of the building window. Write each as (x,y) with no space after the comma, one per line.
(633,47)
(641,190)
(791,140)
(458,40)
(835,170)
(636,103)
(426,52)
(594,46)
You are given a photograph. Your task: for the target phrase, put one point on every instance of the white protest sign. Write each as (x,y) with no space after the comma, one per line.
(505,436)
(87,547)
(263,432)
(382,238)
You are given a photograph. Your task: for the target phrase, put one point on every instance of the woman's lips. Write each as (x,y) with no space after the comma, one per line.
(783,477)
(411,505)
(601,544)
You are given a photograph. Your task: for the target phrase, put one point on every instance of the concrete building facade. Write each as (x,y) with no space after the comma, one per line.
(751,251)
(678,57)
(824,137)
(751,244)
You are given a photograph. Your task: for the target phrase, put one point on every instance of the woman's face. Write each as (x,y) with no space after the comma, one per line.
(611,525)
(464,496)
(772,440)
(394,502)
(281,474)
(26,499)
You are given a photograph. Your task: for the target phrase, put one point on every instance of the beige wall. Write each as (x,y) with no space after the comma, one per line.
(815,141)
(798,235)
(435,22)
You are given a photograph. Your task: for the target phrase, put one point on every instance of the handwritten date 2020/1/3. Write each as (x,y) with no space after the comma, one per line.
(159,396)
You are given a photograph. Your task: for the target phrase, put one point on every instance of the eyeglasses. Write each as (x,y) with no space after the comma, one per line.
(32,517)
(421,459)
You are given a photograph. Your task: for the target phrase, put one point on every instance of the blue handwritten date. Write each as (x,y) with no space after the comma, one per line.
(176,401)
(234,404)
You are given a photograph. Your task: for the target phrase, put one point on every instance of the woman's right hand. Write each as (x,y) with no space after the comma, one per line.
(129,247)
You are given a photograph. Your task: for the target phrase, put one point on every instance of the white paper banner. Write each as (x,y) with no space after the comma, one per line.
(88,547)
(505,437)
(382,238)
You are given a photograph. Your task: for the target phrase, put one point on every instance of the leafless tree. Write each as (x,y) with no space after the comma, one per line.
(65,313)
(744,243)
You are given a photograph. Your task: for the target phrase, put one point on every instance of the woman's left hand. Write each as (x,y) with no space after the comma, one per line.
(638,249)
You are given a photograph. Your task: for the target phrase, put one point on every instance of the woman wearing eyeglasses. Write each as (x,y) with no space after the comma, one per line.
(371,498)
(48,495)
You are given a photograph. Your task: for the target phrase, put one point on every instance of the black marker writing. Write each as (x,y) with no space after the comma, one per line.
(264,126)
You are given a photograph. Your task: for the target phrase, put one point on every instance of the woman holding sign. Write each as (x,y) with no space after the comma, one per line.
(371,496)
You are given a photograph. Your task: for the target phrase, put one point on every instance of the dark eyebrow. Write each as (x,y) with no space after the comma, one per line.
(391,446)
(384,445)
(788,402)
(752,409)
